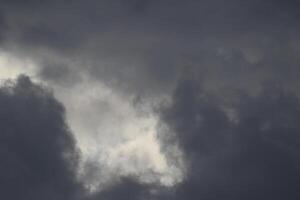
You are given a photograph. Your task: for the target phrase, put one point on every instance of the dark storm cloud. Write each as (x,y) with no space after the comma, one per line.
(143,43)
(37,151)
(237,146)
(254,156)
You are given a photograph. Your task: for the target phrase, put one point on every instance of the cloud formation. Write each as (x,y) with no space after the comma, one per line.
(38,154)
(144,43)
(167,99)
(253,155)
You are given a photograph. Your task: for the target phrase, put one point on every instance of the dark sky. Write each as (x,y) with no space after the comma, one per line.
(148,99)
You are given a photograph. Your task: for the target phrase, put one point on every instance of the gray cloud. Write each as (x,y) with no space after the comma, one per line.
(237,145)
(254,156)
(38,154)
(143,43)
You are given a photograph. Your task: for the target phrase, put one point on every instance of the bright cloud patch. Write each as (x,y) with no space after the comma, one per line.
(115,136)
(11,66)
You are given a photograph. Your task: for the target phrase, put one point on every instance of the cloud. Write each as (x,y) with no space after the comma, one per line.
(107,59)
(143,43)
(126,188)
(139,47)
(255,156)
(38,153)
(12,66)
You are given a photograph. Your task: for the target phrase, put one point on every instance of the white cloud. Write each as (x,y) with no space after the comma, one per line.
(11,66)
(114,135)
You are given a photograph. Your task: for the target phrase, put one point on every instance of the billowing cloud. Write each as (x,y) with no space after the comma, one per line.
(167,99)
(39,158)
(253,155)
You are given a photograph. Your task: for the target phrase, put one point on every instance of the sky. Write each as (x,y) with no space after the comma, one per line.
(149,100)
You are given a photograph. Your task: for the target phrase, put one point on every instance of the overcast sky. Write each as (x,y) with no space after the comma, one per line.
(149,99)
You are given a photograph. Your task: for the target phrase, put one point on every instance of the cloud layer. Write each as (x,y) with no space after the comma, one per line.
(167,99)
